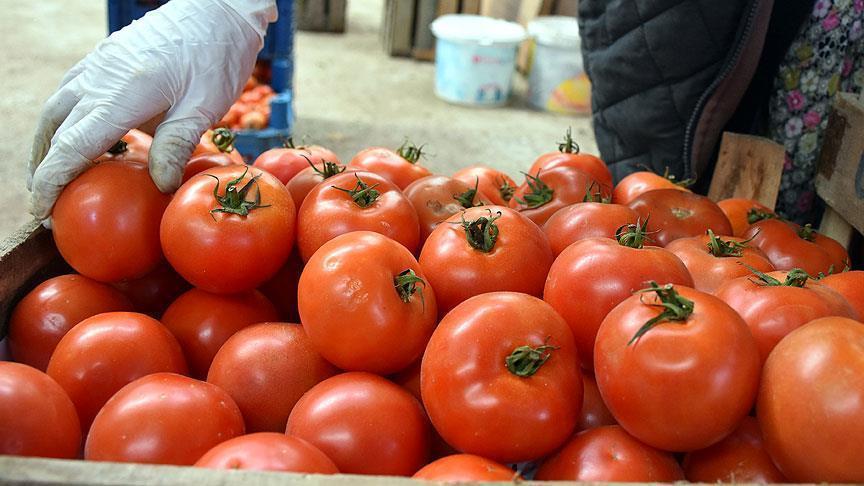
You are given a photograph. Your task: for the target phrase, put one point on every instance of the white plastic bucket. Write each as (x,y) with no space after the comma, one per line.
(475,58)
(557,81)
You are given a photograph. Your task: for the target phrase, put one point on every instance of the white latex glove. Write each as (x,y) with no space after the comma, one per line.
(188,59)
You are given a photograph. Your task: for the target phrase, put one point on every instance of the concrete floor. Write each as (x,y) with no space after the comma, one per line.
(349,95)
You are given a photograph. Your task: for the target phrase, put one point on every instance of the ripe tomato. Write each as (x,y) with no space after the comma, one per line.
(568,155)
(202,322)
(850,285)
(365,303)
(104,353)
(634,185)
(466,468)
(134,146)
(744,212)
(496,185)
(437,197)
(485,249)
(355,201)
(229,229)
(713,260)
(776,303)
(739,458)
(152,293)
(675,214)
(659,371)
(398,166)
(595,413)
(207,161)
(505,346)
(790,246)
(47,313)
(609,453)
(37,418)
(261,359)
(106,222)
(302,184)
(586,220)
(281,290)
(218,141)
(286,162)
(163,418)
(351,415)
(268,451)
(543,193)
(811,403)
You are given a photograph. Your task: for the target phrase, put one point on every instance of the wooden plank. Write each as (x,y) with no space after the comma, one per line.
(447,7)
(471,7)
(748,167)
(336,15)
(424,42)
(569,8)
(311,14)
(500,9)
(398,27)
(836,227)
(528,11)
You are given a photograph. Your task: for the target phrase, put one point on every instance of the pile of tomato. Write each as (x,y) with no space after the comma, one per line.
(301,314)
(251,111)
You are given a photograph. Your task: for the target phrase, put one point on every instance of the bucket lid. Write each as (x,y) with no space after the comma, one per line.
(477,28)
(556,30)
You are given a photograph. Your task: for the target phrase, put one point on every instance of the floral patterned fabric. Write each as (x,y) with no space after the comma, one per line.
(826,57)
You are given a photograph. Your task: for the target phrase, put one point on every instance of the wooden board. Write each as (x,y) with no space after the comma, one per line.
(501,9)
(447,7)
(424,42)
(470,7)
(748,167)
(397,28)
(320,15)
(567,7)
(528,11)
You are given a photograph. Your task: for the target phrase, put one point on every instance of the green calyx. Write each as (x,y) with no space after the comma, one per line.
(633,235)
(539,193)
(328,170)
(406,286)
(676,308)
(807,232)
(755,214)
(223,139)
(596,196)
(362,194)
(568,146)
(794,278)
(482,233)
(118,148)
(505,189)
(726,248)
(410,152)
(466,199)
(524,361)
(288,143)
(234,201)
(671,178)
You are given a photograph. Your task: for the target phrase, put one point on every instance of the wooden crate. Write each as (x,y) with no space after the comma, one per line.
(320,15)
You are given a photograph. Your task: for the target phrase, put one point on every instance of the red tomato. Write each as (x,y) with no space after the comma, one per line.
(106,222)
(254,120)
(595,413)
(850,285)
(134,146)
(302,184)
(660,373)
(202,322)
(568,155)
(163,418)
(437,197)
(152,293)
(480,408)
(207,161)
(496,185)
(811,403)
(281,290)
(37,418)
(739,458)
(355,201)
(104,353)
(713,260)
(744,212)
(485,249)
(229,229)
(46,314)
(263,358)
(675,214)
(364,423)
(609,454)
(638,183)
(217,141)
(398,166)
(268,451)
(286,162)
(543,193)
(586,220)
(790,246)
(464,468)
(365,303)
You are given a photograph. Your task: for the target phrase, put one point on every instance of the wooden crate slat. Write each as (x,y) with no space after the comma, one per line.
(748,167)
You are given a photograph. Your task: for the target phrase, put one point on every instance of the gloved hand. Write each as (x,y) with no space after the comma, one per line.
(188,59)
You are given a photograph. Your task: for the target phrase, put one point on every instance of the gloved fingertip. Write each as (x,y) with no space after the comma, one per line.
(41,204)
(167,177)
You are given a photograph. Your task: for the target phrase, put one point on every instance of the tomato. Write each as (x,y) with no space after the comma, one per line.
(37,418)
(811,403)
(281,290)
(163,418)
(586,220)
(254,120)
(364,423)
(207,161)
(218,141)
(744,212)
(365,303)
(259,360)
(152,293)
(466,467)
(437,197)
(595,413)
(134,146)
(229,229)
(202,322)
(496,185)
(590,277)
(106,222)
(634,185)
(355,201)
(790,246)
(543,193)
(302,184)
(850,285)
(776,303)
(660,372)
(739,458)
(504,347)
(610,454)
(675,214)
(399,166)
(286,162)
(568,155)
(713,260)
(104,353)
(485,249)
(268,451)
(47,313)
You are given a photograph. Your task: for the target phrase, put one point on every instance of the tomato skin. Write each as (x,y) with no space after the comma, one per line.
(586,220)
(328,212)
(569,186)
(609,453)
(206,146)
(46,314)
(496,185)
(285,163)
(137,148)
(779,240)
(595,413)
(465,467)
(851,286)
(638,183)
(811,402)
(739,458)
(207,161)
(268,451)
(736,210)
(352,312)
(228,253)
(670,388)
(260,359)
(587,163)
(710,272)
(163,418)
(677,214)
(586,282)
(281,290)
(152,293)
(106,222)
(518,262)
(434,199)
(37,418)
(302,184)
(351,414)
(481,409)
(202,322)
(388,164)
(104,353)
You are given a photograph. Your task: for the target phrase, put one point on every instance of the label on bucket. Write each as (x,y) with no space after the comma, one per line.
(474,74)
(557,81)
